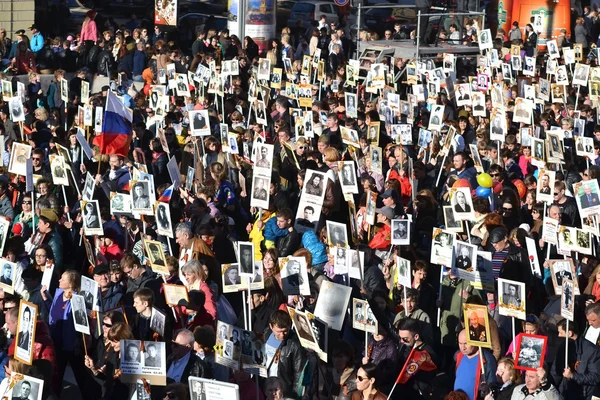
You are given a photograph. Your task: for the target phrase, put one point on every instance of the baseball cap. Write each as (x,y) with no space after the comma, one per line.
(389,193)
(388,212)
(101,269)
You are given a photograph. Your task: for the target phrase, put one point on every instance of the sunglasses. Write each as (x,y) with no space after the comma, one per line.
(361,378)
(507,209)
(107,325)
(556,194)
(170,395)
(36,159)
(405,340)
(27,202)
(494,175)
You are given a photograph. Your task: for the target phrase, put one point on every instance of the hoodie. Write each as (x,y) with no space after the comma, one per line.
(272,232)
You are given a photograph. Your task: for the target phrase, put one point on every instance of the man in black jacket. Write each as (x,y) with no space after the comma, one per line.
(261,311)
(183,361)
(418,384)
(289,243)
(286,358)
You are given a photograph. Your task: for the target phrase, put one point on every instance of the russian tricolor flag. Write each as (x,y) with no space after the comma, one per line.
(116,127)
(165,197)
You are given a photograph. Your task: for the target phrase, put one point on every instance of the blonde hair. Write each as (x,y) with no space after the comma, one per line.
(74,279)
(331,154)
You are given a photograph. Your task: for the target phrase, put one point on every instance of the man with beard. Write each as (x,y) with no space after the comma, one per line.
(116,177)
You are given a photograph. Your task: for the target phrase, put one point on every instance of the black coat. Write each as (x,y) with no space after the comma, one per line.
(292,361)
(195,367)
(105,63)
(287,245)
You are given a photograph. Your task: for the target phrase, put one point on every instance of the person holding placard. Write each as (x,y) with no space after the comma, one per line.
(469,366)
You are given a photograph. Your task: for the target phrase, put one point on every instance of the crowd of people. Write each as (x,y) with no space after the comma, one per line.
(303,221)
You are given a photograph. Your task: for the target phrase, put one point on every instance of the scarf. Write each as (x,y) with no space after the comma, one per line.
(596,291)
(156,156)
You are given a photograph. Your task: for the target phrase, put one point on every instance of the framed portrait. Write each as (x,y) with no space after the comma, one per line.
(89,291)
(15,106)
(294,276)
(307,216)
(337,235)
(477,325)
(246,258)
(19,155)
(24,338)
(59,170)
(260,191)
(465,263)
(174,294)
(141,197)
(545,186)
(89,251)
(530,352)
(156,255)
(587,197)
(199,389)
(88,187)
(25,387)
(462,204)
(451,223)
(443,247)
(347,175)
(363,317)
(403,271)
(8,274)
(350,137)
(80,317)
(340,260)
(332,304)
(567,299)
(511,295)
(400,232)
(560,270)
(232,282)
(199,122)
(157,322)
(314,186)
(92,224)
(580,74)
(163,219)
(303,329)
(148,361)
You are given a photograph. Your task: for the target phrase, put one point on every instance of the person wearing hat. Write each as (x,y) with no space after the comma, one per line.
(37,40)
(111,294)
(46,227)
(109,246)
(508,260)
(32,279)
(382,240)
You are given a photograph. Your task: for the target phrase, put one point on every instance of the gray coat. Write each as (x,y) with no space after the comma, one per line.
(581,35)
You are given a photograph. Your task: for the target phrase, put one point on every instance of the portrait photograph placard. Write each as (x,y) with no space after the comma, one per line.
(157,322)
(147,361)
(24,387)
(156,255)
(550,230)
(88,188)
(545,186)
(174,294)
(465,262)
(451,223)
(362,316)
(8,274)
(89,291)
(92,224)
(587,197)
(24,339)
(246,259)
(332,304)
(478,327)
(511,295)
(347,173)
(260,191)
(209,389)
(58,170)
(314,186)
(199,122)
(80,318)
(141,196)
(303,329)
(400,232)
(163,219)
(232,282)
(403,271)
(337,235)
(560,270)
(294,276)
(19,155)
(228,345)
(530,352)
(462,204)
(567,299)
(443,247)
(307,216)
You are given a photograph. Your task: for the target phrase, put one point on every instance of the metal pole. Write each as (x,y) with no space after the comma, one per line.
(358,31)
(419,37)
(242,19)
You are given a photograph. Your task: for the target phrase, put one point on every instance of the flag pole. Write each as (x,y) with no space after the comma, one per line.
(412,351)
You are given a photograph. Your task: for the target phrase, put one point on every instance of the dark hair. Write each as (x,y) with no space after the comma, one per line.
(409,324)
(371,371)
(280,319)
(563,325)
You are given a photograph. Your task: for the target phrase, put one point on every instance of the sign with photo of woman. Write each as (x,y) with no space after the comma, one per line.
(294,276)
(163,219)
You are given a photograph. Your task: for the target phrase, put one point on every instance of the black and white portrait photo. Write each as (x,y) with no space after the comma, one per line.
(462,204)
(265,156)
(307,216)
(157,322)
(347,172)
(140,194)
(512,298)
(264,69)
(315,183)
(465,256)
(15,105)
(163,220)
(199,122)
(59,170)
(80,314)
(231,277)
(332,304)
(302,326)
(19,155)
(400,232)
(152,359)
(25,388)
(7,275)
(560,269)
(25,331)
(260,191)
(337,235)
(156,255)
(120,203)
(294,276)
(88,188)
(181,85)
(443,245)
(246,258)
(92,224)
(89,292)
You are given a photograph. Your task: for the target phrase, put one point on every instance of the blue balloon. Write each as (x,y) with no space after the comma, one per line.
(536,173)
(483,192)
